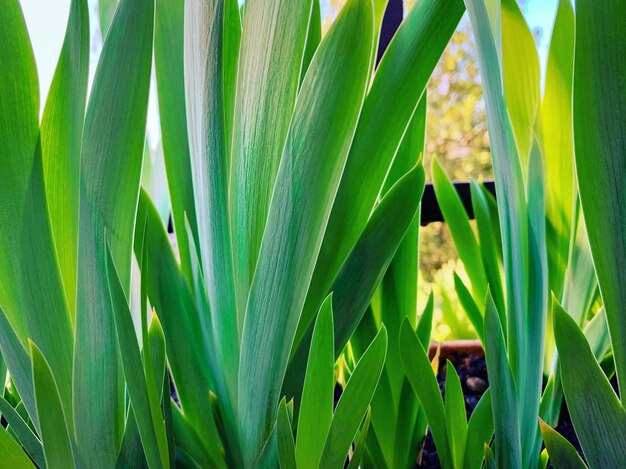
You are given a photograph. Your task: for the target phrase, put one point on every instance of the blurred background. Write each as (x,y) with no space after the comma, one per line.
(456,131)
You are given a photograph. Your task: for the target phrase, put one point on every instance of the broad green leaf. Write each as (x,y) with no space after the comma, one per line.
(55,436)
(597,414)
(231,46)
(270,60)
(424,382)
(25,435)
(503,392)
(457,220)
(399,285)
(61,132)
(354,401)
(456,421)
(284,437)
(12,454)
(31,287)
(323,123)
(479,431)
(19,365)
(359,449)
(556,122)
(111,161)
(398,85)
(369,258)
(169,68)
(170,294)
(562,454)
(511,200)
(363,269)
(205,104)
(157,354)
(600,140)
(520,70)
(149,425)
(490,459)
(316,408)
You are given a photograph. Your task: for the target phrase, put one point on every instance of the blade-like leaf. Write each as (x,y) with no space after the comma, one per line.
(61,132)
(562,454)
(272,49)
(504,398)
(600,140)
(399,83)
(323,123)
(354,402)
(111,157)
(597,414)
(205,103)
(316,409)
(424,382)
(171,296)
(169,68)
(359,449)
(148,424)
(457,220)
(456,420)
(284,437)
(57,445)
(31,287)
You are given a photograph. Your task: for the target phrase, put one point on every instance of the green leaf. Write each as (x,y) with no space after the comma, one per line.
(359,449)
(149,424)
(12,454)
(61,132)
(556,125)
(456,421)
(190,442)
(106,11)
(316,408)
(323,123)
(479,431)
(31,287)
(503,392)
(364,268)
(284,437)
(354,401)
(425,323)
(25,435)
(597,414)
(424,382)
(469,305)
(398,85)
(600,140)
(407,426)
(520,70)
(272,49)
(111,160)
(169,68)
(490,244)
(188,353)
(313,37)
(54,433)
(205,97)
(457,220)
(18,363)
(562,454)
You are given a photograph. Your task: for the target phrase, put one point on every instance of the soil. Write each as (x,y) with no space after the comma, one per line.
(472,371)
